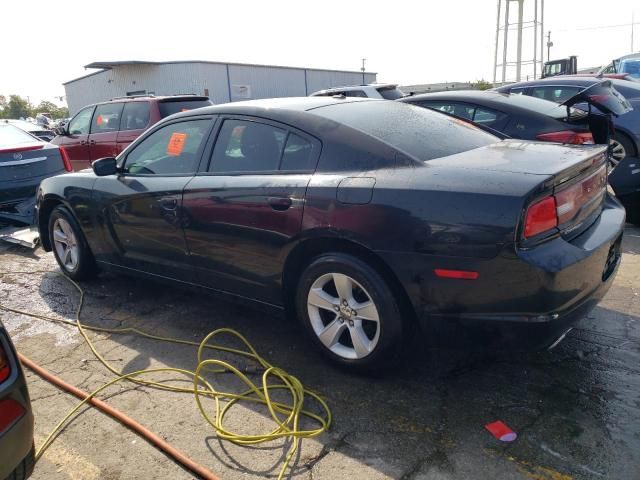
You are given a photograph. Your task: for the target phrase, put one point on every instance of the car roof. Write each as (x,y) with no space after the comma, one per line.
(299,104)
(630,55)
(360,87)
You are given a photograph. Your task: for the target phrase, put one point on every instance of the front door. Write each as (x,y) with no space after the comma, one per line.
(76,143)
(242,212)
(140,209)
(103,137)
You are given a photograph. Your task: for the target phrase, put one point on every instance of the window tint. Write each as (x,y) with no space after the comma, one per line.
(298,154)
(106,118)
(244,146)
(452,108)
(518,91)
(390,93)
(135,116)
(555,94)
(171,150)
(80,124)
(352,93)
(418,131)
(170,107)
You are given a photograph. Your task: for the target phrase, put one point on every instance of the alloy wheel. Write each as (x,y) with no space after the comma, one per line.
(66,244)
(616,153)
(343,316)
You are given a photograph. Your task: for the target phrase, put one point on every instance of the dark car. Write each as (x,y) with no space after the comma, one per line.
(16,418)
(24,162)
(527,118)
(626,138)
(105,129)
(364,217)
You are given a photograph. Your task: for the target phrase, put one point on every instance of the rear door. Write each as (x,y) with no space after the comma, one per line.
(136,117)
(103,135)
(76,143)
(141,209)
(247,206)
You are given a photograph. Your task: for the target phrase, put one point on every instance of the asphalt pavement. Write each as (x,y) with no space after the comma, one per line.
(576,409)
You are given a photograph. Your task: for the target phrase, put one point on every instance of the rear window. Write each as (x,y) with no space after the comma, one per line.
(10,135)
(170,107)
(419,132)
(390,93)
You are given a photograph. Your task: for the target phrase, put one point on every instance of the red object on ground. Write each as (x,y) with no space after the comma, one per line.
(501,431)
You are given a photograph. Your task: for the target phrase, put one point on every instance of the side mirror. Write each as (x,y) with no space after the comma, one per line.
(105,166)
(61,130)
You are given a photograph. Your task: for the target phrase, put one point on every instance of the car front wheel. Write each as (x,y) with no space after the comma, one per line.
(69,245)
(349,311)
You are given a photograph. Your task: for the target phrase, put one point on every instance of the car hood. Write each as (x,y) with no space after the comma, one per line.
(518,156)
(602,96)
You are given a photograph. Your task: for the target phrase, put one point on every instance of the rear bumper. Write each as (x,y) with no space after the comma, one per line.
(522,299)
(18,197)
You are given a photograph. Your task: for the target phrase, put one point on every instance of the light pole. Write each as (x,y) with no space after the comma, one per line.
(363,61)
(549,45)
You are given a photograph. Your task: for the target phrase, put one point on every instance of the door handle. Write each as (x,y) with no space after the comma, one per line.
(92,142)
(280,203)
(83,142)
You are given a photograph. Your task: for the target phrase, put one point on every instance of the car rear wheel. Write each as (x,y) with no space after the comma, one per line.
(620,147)
(349,311)
(69,245)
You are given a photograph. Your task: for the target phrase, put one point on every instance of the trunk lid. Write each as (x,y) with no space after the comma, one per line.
(604,97)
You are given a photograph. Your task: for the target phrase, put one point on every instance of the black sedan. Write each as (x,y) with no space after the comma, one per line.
(524,117)
(24,162)
(16,419)
(626,139)
(364,217)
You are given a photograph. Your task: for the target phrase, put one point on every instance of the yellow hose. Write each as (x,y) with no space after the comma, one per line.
(286,416)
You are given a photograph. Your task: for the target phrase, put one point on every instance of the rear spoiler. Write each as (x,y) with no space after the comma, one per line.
(604,97)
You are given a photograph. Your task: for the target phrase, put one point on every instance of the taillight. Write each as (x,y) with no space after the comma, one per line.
(65,160)
(459,274)
(10,412)
(5,368)
(567,136)
(541,216)
(22,149)
(571,199)
(565,204)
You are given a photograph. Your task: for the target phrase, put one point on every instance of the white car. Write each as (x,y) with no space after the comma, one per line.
(387,91)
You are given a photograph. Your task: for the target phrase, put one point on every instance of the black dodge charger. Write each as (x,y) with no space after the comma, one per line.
(364,217)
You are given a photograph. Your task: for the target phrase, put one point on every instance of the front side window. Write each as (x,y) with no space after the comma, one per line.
(107,118)
(135,116)
(245,146)
(81,123)
(171,150)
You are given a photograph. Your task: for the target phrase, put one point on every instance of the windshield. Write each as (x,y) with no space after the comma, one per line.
(419,132)
(10,135)
(630,66)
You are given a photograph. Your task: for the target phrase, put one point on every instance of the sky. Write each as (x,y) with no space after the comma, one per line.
(404,42)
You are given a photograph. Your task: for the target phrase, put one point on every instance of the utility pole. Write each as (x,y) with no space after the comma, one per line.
(549,45)
(633,13)
(363,62)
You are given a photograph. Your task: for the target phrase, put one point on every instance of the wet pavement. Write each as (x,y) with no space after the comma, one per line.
(576,409)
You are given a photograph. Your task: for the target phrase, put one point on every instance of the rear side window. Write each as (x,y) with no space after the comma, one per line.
(244,146)
(170,107)
(299,154)
(171,150)
(352,93)
(555,94)
(418,131)
(390,93)
(107,118)
(135,116)
(10,135)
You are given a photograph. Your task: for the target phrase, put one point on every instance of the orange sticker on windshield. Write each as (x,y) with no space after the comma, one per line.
(176,144)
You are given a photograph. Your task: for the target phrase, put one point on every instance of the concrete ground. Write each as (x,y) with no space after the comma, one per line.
(576,409)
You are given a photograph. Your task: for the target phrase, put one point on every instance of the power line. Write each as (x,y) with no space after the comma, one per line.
(600,27)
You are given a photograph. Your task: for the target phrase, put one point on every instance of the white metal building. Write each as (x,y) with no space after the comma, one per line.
(222,82)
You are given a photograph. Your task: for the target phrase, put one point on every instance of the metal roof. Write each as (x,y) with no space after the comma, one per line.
(108,65)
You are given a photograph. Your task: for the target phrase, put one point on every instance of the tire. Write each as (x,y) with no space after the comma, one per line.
(621,147)
(70,247)
(341,332)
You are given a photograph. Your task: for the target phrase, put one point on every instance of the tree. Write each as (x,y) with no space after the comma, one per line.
(481,85)
(17,107)
(51,108)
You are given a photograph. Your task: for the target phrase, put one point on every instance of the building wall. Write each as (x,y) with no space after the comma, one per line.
(222,82)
